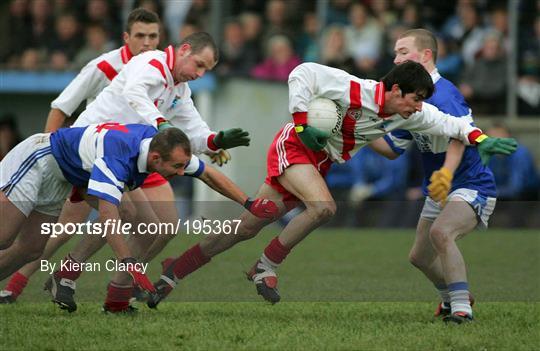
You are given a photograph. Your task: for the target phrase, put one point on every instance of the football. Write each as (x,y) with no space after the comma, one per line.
(324,114)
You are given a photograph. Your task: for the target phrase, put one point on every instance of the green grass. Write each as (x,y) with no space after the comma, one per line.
(341,289)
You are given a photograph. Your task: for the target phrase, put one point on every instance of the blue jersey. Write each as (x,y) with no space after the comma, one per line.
(470,174)
(107,158)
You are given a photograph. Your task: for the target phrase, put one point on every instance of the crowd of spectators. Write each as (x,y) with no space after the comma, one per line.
(267,39)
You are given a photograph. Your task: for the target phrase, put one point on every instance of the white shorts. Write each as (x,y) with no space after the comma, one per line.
(31,178)
(483,206)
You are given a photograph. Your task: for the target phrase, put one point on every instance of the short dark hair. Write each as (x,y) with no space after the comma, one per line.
(411,77)
(141,15)
(200,40)
(423,39)
(165,141)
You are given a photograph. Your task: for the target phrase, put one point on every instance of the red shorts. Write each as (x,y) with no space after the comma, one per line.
(154,180)
(287,149)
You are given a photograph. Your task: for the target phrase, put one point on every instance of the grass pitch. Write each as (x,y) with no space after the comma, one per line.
(341,289)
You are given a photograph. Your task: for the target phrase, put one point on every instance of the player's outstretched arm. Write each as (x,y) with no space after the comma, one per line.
(441,180)
(216,180)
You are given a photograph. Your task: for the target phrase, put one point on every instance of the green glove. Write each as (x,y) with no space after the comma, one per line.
(491,146)
(227,139)
(312,137)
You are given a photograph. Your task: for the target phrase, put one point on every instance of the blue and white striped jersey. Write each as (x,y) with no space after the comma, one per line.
(108,158)
(470,174)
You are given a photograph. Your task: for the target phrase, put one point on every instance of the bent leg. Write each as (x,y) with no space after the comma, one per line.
(307,184)
(12,221)
(162,200)
(71,213)
(424,256)
(27,247)
(456,220)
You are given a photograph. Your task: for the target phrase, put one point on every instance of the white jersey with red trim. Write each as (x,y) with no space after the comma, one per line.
(362,101)
(145,91)
(92,79)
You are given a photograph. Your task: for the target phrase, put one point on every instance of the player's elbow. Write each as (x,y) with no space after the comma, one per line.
(391,155)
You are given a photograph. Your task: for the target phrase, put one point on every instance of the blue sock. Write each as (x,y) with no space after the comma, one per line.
(459,297)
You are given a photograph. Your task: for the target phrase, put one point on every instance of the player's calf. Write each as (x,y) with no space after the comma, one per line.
(13,289)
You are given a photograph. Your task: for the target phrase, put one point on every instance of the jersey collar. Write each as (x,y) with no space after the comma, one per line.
(126,54)
(142,161)
(379,99)
(170,57)
(435,76)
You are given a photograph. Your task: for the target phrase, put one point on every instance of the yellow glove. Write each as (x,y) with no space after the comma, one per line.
(221,157)
(441,183)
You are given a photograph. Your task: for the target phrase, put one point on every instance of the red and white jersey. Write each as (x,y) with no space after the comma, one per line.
(144,91)
(92,79)
(362,103)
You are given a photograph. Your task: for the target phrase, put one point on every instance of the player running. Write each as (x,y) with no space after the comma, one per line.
(38,174)
(449,168)
(300,157)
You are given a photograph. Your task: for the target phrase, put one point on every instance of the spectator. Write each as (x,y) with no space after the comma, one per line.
(199,14)
(449,62)
(42,25)
(338,12)
(466,30)
(498,21)
(97,43)
(364,40)
(175,13)
(9,134)
(484,83)
(99,11)
(516,174)
(234,58)
(383,14)
(66,42)
(276,21)
(308,41)
(280,61)
(14,30)
(529,70)
(410,16)
(517,184)
(334,52)
(252,28)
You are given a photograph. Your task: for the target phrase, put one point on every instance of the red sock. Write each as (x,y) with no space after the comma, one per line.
(190,261)
(275,251)
(16,284)
(69,270)
(118,297)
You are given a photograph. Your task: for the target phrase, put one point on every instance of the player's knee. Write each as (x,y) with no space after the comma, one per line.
(247,230)
(322,211)
(5,243)
(128,212)
(440,238)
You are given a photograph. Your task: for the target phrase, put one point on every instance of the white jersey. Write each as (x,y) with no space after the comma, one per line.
(92,79)
(145,91)
(362,101)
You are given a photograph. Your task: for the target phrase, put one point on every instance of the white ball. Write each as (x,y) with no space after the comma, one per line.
(324,114)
